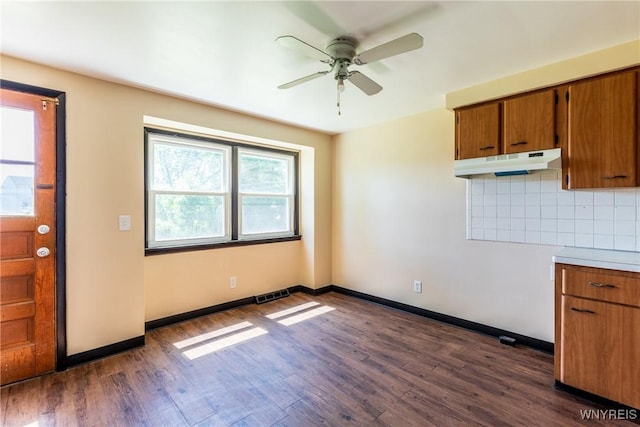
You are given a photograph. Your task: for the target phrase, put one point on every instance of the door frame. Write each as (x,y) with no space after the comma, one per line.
(61,208)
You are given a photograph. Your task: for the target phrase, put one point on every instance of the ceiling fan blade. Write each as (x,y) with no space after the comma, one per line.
(314,15)
(394,47)
(304,48)
(364,83)
(303,79)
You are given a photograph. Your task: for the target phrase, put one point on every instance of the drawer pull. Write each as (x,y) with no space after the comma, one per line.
(579,310)
(615,177)
(488,147)
(602,285)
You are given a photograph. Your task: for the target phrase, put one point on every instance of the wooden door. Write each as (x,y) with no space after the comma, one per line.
(602,138)
(591,350)
(528,122)
(478,131)
(27,236)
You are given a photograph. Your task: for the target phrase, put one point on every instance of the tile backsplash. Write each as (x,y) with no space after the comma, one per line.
(535,209)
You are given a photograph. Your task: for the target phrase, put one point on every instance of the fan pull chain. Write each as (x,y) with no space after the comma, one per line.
(340,88)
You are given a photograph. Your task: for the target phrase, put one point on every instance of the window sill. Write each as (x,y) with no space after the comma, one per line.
(175,249)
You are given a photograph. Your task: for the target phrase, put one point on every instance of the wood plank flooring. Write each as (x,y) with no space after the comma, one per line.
(354,363)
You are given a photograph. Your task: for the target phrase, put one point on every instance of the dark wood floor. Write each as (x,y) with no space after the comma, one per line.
(354,363)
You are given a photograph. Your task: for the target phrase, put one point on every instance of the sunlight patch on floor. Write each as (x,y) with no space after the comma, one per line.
(292,310)
(211,335)
(210,342)
(287,321)
(221,343)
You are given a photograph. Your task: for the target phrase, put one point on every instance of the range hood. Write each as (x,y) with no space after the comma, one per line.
(509,164)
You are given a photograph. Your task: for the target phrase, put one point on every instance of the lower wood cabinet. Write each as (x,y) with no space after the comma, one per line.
(597,343)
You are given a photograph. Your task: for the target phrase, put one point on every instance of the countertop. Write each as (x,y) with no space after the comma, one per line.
(599,258)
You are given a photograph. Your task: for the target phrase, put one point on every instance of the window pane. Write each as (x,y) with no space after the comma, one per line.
(17,140)
(188,217)
(16,190)
(187,168)
(263,174)
(265,215)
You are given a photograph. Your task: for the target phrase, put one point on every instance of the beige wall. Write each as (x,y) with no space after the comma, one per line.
(399,215)
(112,288)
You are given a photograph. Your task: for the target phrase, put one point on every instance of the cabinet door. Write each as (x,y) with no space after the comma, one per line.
(599,348)
(478,131)
(630,349)
(528,122)
(602,140)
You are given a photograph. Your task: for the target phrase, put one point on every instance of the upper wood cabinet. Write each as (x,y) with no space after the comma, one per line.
(595,120)
(602,136)
(515,125)
(528,122)
(478,131)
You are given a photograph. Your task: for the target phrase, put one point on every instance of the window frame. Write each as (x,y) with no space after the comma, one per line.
(233,236)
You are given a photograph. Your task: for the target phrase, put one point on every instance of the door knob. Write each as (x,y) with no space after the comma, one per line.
(43,229)
(43,252)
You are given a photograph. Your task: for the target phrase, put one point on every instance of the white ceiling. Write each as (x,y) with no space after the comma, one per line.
(224,54)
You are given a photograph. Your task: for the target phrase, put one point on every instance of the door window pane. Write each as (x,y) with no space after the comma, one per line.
(17,160)
(188,217)
(265,215)
(17,140)
(16,189)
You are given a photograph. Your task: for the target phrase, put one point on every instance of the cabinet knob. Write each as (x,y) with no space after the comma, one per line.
(488,147)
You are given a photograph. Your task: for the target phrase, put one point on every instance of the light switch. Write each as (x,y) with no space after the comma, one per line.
(124,222)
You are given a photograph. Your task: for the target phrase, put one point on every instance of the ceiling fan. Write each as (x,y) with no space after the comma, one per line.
(340,53)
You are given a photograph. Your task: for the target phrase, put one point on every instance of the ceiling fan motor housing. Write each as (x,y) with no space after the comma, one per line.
(342,48)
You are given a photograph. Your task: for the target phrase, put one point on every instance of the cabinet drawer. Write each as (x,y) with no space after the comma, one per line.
(598,284)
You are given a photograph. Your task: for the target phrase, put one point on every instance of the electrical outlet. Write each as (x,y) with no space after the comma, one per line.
(233,282)
(417,286)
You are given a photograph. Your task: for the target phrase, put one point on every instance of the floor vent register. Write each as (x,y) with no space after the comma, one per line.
(272,296)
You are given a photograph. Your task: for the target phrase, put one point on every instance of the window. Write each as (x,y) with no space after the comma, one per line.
(265,193)
(202,192)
